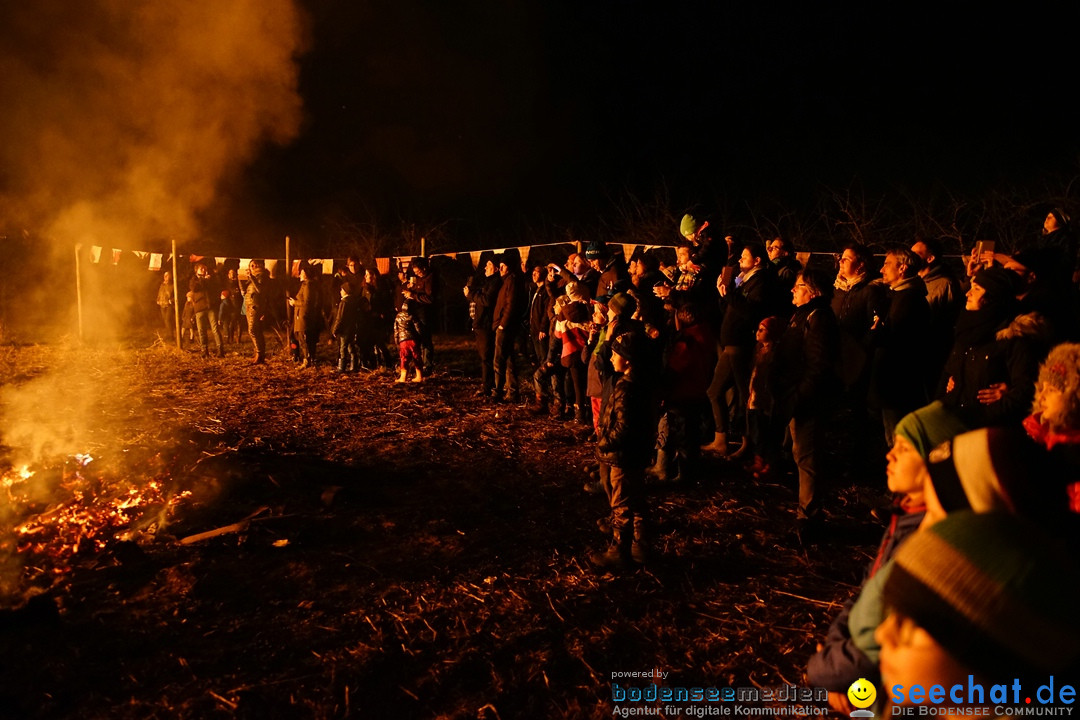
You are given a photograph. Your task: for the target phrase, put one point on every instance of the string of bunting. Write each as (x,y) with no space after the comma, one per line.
(156,261)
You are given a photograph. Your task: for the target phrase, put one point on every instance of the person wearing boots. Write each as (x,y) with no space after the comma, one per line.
(307,315)
(623,449)
(255,305)
(344,328)
(204,292)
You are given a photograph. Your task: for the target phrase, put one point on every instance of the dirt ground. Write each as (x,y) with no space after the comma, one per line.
(399,551)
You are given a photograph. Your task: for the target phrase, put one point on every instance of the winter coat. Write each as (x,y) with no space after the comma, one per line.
(347,317)
(855,309)
(747,305)
(541,310)
(510,303)
(483,294)
(256,291)
(1012,357)
(165,295)
(804,370)
(307,308)
(902,346)
(615,277)
(406,327)
(627,433)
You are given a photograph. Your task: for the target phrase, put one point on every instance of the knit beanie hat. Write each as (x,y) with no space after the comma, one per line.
(689,225)
(628,345)
(596,250)
(999,283)
(622,304)
(999,469)
(993,591)
(577,292)
(928,427)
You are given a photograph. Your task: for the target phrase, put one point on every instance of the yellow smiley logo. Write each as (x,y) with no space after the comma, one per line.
(862,693)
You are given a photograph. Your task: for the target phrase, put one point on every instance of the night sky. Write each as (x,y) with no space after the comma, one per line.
(503,116)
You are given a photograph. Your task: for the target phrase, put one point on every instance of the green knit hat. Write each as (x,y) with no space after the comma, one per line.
(928,427)
(994,591)
(689,225)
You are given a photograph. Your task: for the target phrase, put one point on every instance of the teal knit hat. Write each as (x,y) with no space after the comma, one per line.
(994,591)
(928,427)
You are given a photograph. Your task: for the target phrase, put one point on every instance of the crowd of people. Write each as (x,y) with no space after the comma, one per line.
(961,385)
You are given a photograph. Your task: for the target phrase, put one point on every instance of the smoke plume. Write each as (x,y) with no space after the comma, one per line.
(121,117)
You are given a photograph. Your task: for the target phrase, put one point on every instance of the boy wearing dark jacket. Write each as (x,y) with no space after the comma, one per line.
(623,447)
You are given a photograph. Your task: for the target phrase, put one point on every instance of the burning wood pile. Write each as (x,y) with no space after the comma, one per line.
(52,514)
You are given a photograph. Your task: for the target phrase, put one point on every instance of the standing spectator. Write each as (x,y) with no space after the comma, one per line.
(706,252)
(784,262)
(623,448)
(204,296)
(229,310)
(507,322)
(614,276)
(344,328)
(380,296)
(307,315)
(166,302)
(945,297)
(753,298)
(765,437)
(857,304)
(805,383)
(684,401)
(902,345)
(420,288)
(991,373)
(256,297)
(541,310)
(407,334)
(1061,242)
(482,291)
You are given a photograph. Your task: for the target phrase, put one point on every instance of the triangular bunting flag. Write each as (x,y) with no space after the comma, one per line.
(155,261)
(628,251)
(524,252)
(141,254)
(474,255)
(383,265)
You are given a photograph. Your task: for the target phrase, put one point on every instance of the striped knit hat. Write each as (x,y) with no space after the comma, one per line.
(999,469)
(993,591)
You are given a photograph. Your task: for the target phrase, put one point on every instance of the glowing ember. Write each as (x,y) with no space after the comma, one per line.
(63,511)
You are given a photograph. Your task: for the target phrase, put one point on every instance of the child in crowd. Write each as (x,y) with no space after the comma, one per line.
(408,330)
(571,330)
(623,449)
(344,327)
(849,651)
(685,402)
(975,601)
